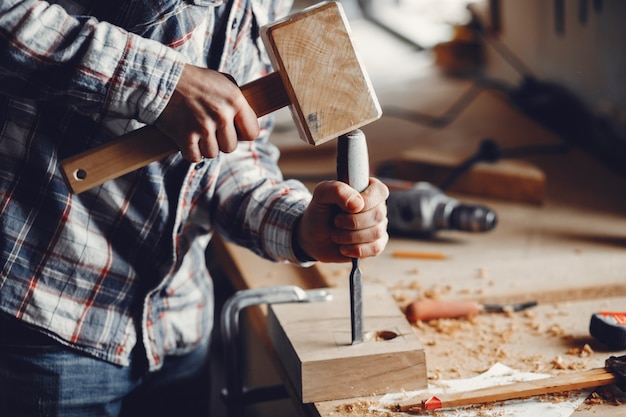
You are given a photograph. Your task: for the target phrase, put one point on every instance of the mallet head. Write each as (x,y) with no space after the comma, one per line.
(329,91)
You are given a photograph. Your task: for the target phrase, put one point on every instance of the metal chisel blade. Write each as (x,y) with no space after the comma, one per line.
(356,302)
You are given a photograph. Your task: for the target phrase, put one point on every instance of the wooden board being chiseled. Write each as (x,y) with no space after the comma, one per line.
(313,342)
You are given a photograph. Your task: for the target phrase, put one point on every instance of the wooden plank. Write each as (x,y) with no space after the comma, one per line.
(314,345)
(561,383)
(513,180)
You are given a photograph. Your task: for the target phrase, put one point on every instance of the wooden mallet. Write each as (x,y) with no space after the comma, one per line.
(317,74)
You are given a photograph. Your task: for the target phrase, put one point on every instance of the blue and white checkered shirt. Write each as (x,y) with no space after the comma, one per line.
(125,261)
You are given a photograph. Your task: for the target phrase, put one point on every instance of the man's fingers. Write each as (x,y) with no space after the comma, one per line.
(206,114)
(374,193)
(226,137)
(369,217)
(374,248)
(339,194)
(246,124)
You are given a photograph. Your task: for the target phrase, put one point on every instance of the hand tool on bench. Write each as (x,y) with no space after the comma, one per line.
(428,309)
(317,74)
(353,169)
(614,372)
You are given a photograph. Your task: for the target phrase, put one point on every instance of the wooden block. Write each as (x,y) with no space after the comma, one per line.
(325,79)
(508,179)
(313,342)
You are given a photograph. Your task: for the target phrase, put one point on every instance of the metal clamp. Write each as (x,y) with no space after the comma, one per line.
(235,395)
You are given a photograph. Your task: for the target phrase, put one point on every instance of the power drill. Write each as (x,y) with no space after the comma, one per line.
(424,209)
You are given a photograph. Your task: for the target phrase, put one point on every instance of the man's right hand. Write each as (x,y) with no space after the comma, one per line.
(206,114)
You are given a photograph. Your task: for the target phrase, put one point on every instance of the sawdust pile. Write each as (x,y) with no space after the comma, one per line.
(460,348)
(603,395)
(362,408)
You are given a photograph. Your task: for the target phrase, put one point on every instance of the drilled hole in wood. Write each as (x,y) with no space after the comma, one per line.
(80,174)
(381,335)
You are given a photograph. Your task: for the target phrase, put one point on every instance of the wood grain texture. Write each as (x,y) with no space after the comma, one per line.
(314,345)
(561,383)
(328,86)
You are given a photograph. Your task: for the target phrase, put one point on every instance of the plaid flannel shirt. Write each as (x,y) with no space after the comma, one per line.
(125,261)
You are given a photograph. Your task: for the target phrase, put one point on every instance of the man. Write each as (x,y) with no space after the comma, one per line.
(104,296)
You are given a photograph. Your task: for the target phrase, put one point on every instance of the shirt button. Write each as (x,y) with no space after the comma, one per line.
(199,165)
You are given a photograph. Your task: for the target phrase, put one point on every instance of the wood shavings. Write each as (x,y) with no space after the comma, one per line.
(583,352)
(557,363)
(362,408)
(555,398)
(483,273)
(414,285)
(400,297)
(603,396)
(447,326)
(532,324)
(560,364)
(437,291)
(535,363)
(555,330)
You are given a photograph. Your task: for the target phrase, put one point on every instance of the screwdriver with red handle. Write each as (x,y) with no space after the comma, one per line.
(429,309)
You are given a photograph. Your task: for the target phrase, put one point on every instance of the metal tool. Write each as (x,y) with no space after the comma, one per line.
(353,169)
(614,372)
(427,309)
(421,209)
(235,395)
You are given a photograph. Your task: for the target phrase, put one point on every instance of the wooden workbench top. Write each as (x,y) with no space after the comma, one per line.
(569,253)
(533,254)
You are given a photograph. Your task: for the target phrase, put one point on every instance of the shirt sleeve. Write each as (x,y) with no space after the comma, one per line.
(47,54)
(256,207)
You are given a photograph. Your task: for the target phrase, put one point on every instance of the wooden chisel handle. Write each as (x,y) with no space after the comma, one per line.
(148,144)
(424,310)
(353,160)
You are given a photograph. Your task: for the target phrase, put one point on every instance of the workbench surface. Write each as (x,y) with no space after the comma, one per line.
(567,253)
(568,276)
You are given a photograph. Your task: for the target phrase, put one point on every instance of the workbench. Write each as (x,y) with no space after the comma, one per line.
(568,253)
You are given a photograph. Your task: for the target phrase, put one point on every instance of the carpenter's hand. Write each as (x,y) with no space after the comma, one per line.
(207,114)
(340,223)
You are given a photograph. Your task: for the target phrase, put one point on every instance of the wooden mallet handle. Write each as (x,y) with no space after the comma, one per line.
(138,148)
(318,74)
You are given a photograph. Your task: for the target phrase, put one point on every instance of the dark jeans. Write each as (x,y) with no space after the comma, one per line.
(41,377)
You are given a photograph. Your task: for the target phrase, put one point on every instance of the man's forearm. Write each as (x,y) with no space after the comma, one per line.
(47,54)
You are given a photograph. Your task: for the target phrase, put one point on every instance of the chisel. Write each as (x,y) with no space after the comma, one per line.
(427,309)
(353,169)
